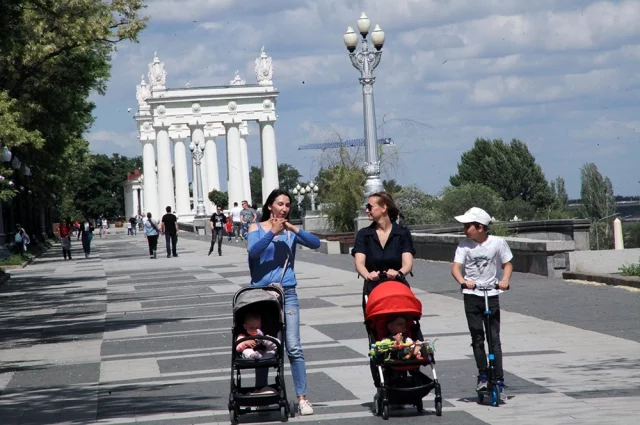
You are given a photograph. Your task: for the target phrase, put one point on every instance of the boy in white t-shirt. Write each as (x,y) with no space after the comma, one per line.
(479,261)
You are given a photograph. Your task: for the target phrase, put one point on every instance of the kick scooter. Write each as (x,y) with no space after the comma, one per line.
(492,390)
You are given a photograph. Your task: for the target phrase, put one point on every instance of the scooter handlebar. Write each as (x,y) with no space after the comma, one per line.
(484,289)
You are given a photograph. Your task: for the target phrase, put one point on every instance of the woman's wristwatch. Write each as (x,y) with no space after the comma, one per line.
(400,274)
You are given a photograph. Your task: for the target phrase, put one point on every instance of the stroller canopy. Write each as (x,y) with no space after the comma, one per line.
(392,298)
(262,300)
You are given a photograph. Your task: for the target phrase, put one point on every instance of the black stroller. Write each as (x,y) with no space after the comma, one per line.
(268,303)
(399,381)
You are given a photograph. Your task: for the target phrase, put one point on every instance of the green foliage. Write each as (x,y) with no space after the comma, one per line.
(100,191)
(12,260)
(500,229)
(560,196)
(343,197)
(516,207)
(53,56)
(220,199)
(507,168)
(288,178)
(456,200)
(630,270)
(596,192)
(632,235)
(416,207)
(391,186)
(255,181)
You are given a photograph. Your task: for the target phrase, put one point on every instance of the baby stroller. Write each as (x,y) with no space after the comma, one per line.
(268,303)
(399,381)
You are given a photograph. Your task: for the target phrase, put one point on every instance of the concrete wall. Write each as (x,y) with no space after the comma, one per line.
(603,261)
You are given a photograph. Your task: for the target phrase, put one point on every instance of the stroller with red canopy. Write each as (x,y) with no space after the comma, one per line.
(398,382)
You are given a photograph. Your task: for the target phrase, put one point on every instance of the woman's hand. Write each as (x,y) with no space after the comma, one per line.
(291,227)
(392,274)
(277,225)
(373,276)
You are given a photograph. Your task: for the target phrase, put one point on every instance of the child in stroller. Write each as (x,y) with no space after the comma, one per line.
(392,307)
(255,349)
(258,321)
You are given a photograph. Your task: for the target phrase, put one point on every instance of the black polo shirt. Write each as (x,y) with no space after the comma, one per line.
(390,257)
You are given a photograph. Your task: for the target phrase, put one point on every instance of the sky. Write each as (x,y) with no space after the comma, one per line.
(561,75)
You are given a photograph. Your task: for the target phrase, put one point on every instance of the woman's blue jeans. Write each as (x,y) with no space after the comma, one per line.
(292,344)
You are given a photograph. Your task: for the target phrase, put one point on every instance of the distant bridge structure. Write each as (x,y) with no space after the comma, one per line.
(344,144)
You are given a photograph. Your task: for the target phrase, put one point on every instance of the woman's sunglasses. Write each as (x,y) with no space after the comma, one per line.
(368,207)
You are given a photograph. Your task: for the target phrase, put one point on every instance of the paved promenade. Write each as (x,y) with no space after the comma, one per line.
(122,339)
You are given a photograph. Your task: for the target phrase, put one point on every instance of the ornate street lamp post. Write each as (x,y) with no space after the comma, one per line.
(312,190)
(366,62)
(298,193)
(197,150)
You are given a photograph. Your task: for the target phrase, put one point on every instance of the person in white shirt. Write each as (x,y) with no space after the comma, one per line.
(237,221)
(482,261)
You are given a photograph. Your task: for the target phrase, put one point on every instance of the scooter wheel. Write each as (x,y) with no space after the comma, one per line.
(376,405)
(495,395)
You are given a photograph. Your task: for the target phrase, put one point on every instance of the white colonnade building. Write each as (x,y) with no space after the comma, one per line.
(167,118)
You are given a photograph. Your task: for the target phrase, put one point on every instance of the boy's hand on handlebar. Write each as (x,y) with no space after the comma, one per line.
(469,284)
(503,284)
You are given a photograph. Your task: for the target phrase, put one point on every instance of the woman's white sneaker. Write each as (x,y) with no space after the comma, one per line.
(305,408)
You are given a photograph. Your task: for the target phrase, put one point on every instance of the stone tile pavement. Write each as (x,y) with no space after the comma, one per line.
(122,339)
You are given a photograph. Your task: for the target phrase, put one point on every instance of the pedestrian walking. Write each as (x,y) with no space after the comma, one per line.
(22,240)
(86,234)
(151,232)
(237,221)
(272,248)
(216,224)
(247,216)
(229,227)
(169,227)
(482,256)
(65,239)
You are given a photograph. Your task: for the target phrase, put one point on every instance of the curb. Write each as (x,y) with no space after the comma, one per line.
(607,279)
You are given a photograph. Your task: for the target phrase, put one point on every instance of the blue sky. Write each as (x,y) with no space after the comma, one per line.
(561,75)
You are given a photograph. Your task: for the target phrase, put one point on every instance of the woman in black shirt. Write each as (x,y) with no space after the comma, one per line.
(383,250)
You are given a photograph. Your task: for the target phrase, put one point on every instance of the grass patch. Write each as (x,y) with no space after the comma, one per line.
(12,260)
(630,270)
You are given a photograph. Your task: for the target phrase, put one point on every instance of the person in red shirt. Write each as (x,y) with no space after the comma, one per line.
(65,239)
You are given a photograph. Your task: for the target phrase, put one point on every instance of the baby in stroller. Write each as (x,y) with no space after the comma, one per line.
(391,309)
(252,349)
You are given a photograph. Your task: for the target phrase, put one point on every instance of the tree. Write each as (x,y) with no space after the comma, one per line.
(560,196)
(344,196)
(507,168)
(288,178)
(220,199)
(456,200)
(391,186)
(102,191)
(416,207)
(596,192)
(53,56)
(598,202)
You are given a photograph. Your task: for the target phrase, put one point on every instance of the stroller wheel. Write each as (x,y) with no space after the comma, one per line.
(385,412)
(233,417)
(419,406)
(438,407)
(292,409)
(376,405)
(284,417)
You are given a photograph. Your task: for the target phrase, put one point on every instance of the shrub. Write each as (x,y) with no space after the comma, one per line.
(630,270)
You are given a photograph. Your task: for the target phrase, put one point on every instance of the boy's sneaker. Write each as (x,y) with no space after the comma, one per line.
(503,394)
(482,383)
(305,407)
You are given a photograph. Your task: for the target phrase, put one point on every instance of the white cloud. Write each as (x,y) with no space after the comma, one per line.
(562,75)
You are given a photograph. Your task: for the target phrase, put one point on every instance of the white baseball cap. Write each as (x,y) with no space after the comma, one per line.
(475,215)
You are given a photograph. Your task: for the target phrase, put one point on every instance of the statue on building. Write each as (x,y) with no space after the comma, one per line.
(264,69)
(142,94)
(157,74)
(237,81)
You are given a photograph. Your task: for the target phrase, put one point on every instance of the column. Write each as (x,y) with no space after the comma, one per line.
(245,165)
(234,165)
(150,181)
(182,177)
(165,176)
(269,159)
(211,153)
(208,206)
